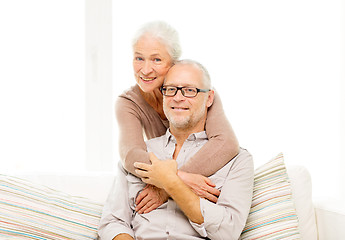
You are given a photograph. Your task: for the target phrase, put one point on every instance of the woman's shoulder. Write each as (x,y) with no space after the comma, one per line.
(133,99)
(131,94)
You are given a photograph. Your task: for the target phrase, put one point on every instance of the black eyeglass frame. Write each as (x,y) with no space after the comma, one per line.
(182,91)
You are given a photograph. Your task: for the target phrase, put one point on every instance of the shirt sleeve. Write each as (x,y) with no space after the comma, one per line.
(227,218)
(221,147)
(117,214)
(132,145)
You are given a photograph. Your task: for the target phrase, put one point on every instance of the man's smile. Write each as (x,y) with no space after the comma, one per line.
(180,108)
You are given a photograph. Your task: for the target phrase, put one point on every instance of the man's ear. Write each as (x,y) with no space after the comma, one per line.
(210,98)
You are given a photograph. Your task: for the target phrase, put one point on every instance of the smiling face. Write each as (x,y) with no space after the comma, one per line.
(151,63)
(182,112)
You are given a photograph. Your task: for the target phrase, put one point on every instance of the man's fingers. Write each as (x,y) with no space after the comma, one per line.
(153,157)
(142,166)
(142,173)
(146,180)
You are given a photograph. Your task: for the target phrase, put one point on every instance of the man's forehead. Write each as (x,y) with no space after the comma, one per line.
(186,74)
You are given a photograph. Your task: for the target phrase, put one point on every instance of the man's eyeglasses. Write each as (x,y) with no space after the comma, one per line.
(190,92)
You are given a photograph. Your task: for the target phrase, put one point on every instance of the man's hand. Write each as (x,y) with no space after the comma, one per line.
(200,185)
(123,236)
(163,174)
(150,198)
(158,173)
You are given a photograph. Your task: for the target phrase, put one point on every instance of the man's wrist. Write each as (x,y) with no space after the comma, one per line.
(180,174)
(171,182)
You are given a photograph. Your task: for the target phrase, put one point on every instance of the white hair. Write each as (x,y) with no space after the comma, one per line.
(167,34)
(206,75)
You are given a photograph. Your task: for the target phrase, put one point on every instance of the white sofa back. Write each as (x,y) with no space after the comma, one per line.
(96,186)
(91,185)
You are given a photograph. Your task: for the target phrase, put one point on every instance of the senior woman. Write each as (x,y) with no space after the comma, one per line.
(139,113)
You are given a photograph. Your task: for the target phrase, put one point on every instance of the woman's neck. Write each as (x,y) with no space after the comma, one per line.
(155,100)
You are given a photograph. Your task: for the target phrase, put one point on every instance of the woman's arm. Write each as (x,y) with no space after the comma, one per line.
(221,147)
(132,146)
(133,149)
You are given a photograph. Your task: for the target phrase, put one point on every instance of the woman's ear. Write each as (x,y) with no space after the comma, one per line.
(210,98)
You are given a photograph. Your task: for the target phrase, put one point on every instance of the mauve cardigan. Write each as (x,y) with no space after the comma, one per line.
(136,118)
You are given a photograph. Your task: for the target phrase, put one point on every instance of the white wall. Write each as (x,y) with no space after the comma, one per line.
(99,109)
(276,64)
(42,86)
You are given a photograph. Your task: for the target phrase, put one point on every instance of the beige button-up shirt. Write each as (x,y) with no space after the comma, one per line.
(223,220)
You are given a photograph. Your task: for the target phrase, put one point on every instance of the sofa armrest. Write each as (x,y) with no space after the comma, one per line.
(330,217)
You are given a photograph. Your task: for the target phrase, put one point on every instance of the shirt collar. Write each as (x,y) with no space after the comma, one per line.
(193,137)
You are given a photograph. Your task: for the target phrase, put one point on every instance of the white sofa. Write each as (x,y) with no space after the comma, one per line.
(317,219)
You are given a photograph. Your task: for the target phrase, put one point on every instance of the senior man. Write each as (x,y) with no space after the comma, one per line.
(187,96)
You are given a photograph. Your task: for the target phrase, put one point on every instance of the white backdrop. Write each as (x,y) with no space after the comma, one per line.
(276,65)
(42,86)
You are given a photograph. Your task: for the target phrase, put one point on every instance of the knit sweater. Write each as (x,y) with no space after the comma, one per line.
(138,121)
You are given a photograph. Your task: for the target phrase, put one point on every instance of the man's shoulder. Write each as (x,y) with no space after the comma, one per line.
(244,153)
(243,159)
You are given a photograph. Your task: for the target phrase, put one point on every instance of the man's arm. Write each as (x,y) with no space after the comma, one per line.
(117,214)
(227,218)
(163,174)
(185,198)
(224,220)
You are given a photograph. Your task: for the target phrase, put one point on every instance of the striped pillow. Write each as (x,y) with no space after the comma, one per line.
(33,211)
(272,214)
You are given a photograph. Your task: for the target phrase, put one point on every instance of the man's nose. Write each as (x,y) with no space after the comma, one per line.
(179,96)
(147,68)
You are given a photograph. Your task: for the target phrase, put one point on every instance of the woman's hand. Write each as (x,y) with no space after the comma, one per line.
(150,198)
(200,185)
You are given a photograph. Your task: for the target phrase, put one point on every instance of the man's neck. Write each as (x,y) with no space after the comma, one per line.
(182,134)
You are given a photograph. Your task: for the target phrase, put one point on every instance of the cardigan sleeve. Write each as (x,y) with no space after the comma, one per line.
(221,147)
(132,147)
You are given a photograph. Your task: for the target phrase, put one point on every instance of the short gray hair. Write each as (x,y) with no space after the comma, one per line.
(167,34)
(206,75)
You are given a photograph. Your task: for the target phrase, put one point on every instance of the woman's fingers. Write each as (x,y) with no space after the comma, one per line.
(209,182)
(152,207)
(211,197)
(213,191)
(149,199)
(142,205)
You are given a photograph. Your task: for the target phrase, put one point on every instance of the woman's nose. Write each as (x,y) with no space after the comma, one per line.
(147,68)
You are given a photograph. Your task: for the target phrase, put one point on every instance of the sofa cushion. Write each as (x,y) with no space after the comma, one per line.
(32,211)
(302,196)
(272,214)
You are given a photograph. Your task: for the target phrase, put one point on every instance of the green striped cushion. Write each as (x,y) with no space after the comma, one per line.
(272,214)
(33,211)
